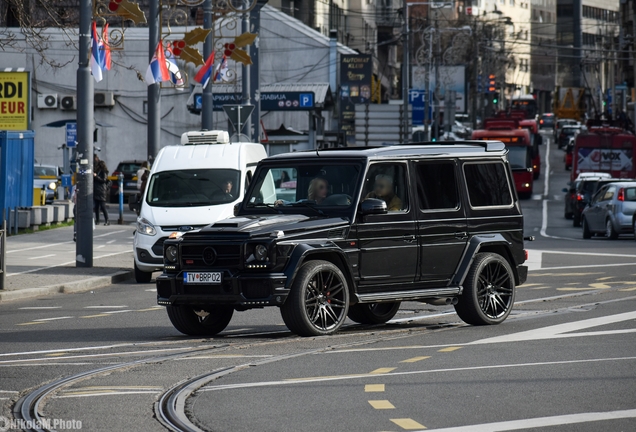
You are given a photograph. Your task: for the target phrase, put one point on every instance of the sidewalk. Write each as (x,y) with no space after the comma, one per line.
(43,263)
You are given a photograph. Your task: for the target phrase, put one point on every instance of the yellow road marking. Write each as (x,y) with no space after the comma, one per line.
(374,388)
(628,289)
(95,316)
(449,349)
(605,278)
(573,289)
(381,404)
(150,309)
(56,354)
(541,288)
(600,285)
(415,359)
(381,371)
(573,283)
(408,424)
(32,323)
(564,274)
(526,285)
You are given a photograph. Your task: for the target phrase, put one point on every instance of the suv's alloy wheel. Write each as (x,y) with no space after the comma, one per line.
(489,291)
(319,300)
(373,313)
(195,321)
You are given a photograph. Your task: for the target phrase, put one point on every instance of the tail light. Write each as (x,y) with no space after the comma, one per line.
(525,251)
(579,197)
(541,121)
(621,194)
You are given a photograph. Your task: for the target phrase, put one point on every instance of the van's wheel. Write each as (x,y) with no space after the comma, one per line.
(489,291)
(200,321)
(142,276)
(373,313)
(587,234)
(318,301)
(610,232)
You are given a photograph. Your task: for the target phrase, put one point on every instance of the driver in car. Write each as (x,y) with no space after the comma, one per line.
(383,189)
(317,191)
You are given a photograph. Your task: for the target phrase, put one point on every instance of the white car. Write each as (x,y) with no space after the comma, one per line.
(593,176)
(190,186)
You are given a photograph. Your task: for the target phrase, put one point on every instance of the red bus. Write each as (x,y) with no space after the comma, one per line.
(519,154)
(536,139)
(604,149)
(526,103)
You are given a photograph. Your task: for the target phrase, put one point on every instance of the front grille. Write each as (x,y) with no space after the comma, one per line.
(255,288)
(200,256)
(157,248)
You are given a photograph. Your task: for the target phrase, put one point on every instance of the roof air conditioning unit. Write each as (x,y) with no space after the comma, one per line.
(205,137)
(105,99)
(68,103)
(47,101)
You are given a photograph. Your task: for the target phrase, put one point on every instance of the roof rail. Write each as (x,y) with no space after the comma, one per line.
(489,146)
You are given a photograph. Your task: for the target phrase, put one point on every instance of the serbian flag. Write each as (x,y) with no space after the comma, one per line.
(175,73)
(106,48)
(97,54)
(204,74)
(221,70)
(157,69)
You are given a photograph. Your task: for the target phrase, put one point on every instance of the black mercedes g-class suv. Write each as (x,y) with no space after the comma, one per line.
(331,234)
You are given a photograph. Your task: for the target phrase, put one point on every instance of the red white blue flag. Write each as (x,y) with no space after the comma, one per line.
(97,54)
(204,74)
(175,73)
(221,70)
(106,48)
(157,69)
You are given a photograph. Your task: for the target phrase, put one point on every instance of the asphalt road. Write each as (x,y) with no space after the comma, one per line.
(563,361)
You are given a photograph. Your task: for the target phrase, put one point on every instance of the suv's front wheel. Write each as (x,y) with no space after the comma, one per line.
(318,301)
(489,291)
(373,313)
(195,321)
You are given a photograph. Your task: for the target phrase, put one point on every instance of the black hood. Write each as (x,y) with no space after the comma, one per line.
(268,225)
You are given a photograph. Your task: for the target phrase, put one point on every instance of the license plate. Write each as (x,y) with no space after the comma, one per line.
(202,278)
(131,184)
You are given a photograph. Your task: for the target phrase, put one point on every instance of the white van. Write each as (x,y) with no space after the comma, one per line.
(190,186)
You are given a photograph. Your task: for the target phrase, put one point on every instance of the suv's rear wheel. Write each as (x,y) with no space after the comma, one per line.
(373,313)
(318,301)
(197,321)
(489,291)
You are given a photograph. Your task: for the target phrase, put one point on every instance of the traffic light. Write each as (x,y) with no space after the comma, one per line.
(492,83)
(495,98)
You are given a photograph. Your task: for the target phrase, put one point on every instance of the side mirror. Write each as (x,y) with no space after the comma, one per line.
(236,208)
(371,206)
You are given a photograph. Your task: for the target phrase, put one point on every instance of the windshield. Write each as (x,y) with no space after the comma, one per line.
(200,187)
(42,171)
(305,185)
(519,157)
(128,167)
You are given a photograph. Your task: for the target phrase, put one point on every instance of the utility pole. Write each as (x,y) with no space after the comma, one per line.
(154,90)
(85,124)
(427,85)
(405,73)
(245,78)
(207,99)
(255,21)
(436,94)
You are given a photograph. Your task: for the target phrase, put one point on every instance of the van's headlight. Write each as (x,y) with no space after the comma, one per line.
(260,252)
(172,254)
(145,227)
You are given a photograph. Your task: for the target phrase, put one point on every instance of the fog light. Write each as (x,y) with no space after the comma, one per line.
(172,253)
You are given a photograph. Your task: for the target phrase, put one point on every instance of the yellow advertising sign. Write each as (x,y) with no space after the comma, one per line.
(14,100)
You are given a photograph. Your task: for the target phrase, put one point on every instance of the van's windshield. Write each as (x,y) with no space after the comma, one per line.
(193,187)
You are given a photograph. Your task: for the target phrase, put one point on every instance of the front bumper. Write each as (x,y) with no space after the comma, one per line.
(239,290)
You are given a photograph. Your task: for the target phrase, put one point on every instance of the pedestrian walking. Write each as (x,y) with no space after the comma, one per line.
(100,191)
(145,167)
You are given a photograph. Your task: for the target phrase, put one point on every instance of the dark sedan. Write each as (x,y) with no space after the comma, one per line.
(129,169)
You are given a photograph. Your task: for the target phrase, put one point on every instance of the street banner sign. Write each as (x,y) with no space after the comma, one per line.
(15,100)
(71,135)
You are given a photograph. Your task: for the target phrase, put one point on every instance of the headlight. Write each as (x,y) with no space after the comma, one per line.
(145,227)
(172,254)
(260,252)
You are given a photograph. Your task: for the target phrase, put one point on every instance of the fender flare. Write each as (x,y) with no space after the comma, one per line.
(303,252)
(475,244)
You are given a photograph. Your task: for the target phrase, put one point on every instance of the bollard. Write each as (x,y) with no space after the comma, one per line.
(3,254)
(121,199)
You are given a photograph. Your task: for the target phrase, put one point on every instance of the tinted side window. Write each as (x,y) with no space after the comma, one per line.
(437,186)
(387,181)
(487,184)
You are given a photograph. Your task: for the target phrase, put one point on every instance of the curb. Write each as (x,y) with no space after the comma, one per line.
(67,287)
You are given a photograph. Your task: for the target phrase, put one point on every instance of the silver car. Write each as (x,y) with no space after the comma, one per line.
(611,211)
(43,176)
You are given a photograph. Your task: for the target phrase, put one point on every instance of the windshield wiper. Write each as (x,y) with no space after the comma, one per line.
(269,206)
(311,206)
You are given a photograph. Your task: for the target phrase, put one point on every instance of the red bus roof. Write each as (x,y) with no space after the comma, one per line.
(507,136)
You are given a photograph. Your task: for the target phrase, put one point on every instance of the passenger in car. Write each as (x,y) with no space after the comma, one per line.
(383,189)
(318,189)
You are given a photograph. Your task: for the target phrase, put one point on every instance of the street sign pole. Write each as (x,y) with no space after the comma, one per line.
(85,124)
(238,115)
(207,104)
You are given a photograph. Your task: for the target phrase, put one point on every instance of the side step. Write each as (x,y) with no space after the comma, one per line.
(409,295)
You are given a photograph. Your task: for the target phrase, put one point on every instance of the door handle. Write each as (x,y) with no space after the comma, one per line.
(461,235)
(409,238)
